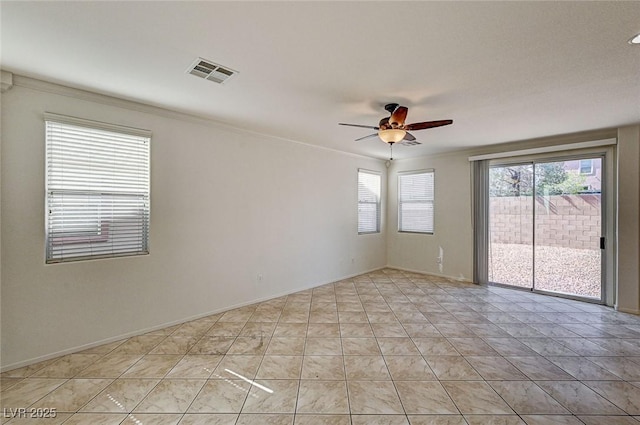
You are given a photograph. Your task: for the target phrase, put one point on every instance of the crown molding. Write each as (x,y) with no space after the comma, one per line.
(61,90)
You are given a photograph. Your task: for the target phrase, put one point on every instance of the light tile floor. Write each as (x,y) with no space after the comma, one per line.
(389,347)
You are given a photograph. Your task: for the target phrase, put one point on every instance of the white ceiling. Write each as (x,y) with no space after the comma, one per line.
(503,71)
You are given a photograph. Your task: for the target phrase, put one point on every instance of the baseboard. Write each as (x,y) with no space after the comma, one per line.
(172,323)
(457,279)
(627,310)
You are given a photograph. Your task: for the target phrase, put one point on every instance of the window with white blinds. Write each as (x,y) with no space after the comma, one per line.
(368,201)
(97,190)
(415,201)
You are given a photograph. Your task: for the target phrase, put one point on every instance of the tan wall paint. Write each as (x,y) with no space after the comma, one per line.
(226,205)
(453,231)
(629,219)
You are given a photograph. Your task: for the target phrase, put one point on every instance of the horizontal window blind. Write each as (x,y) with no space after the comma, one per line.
(368,202)
(415,201)
(97,190)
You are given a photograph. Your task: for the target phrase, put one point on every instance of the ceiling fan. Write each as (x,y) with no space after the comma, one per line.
(392,129)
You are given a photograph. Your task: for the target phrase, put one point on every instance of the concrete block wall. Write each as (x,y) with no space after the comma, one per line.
(572,221)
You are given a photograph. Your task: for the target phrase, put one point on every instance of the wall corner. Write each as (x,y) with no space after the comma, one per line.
(628,231)
(6,81)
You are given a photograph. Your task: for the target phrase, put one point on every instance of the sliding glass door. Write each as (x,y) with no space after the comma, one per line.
(545,223)
(510,251)
(568,227)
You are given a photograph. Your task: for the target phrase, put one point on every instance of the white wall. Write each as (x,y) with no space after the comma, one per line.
(453,231)
(225,206)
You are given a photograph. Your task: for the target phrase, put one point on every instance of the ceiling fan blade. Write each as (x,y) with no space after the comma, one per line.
(359,125)
(409,137)
(427,124)
(399,115)
(367,137)
(390,107)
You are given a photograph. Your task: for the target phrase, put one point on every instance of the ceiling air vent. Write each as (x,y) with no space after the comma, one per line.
(211,71)
(411,143)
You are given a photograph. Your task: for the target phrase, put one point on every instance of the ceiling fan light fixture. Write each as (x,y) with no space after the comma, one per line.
(392,135)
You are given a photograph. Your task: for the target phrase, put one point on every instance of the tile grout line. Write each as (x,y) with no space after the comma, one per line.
(464,297)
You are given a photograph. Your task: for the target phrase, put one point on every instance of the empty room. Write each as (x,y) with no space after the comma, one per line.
(319,213)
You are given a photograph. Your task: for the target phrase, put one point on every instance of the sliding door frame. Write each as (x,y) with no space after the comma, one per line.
(608,219)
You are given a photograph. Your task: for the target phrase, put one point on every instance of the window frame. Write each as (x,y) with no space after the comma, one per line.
(88,193)
(428,202)
(378,202)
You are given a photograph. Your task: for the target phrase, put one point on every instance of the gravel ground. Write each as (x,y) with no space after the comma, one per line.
(566,270)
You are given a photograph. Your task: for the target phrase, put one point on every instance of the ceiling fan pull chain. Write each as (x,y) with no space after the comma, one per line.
(391,150)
